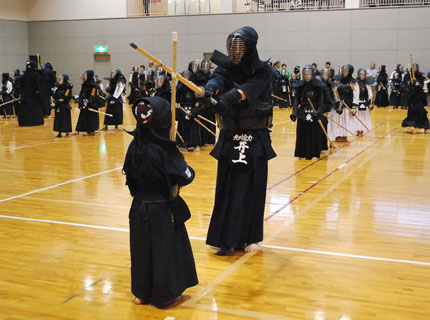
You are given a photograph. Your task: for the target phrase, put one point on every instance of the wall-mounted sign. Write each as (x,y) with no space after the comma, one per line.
(100,49)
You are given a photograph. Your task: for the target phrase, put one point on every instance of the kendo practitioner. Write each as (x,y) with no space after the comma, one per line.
(115,90)
(134,85)
(283,89)
(62,96)
(417,114)
(189,129)
(162,262)
(47,82)
(162,87)
(6,95)
(17,90)
(241,84)
(396,86)
(202,78)
(273,83)
(347,92)
(308,137)
(407,88)
(31,113)
(88,120)
(364,102)
(329,105)
(381,99)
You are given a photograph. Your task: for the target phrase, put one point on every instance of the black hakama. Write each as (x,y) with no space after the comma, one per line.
(308,139)
(238,214)
(63,118)
(114,107)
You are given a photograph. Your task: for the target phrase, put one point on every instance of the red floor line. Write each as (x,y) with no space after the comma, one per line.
(322,179)
(311,164)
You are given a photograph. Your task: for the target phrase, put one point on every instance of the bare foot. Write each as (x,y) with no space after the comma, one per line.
(253,247)
(138,301)
(196,149)
(426,131)
(76,133)
(105,128)
(414,131)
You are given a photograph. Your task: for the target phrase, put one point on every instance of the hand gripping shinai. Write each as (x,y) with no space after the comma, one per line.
(346,106)
(199,122)
(322,126)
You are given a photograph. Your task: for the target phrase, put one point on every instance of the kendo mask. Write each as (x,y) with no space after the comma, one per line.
(159,82)
(186,74)
(87,76)
(327,75)
(347,70)
(115,73)
(5,76)
(308,73)
(206,66)
(195,66)
(153,113)
(236,48)
(396,76)
(362,74)
(62,79)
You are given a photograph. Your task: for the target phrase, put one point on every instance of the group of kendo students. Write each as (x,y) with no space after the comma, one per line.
(156,82)
(342,102)
(38,90)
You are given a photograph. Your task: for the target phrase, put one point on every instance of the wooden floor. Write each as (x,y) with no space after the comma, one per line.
(346,236)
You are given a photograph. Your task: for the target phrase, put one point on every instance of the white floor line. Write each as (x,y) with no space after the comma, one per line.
(427,264)
(58,185)
(27,145)
(345,255)
(275,124)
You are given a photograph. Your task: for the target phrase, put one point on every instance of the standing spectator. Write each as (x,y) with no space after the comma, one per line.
(371,77)
(146,4)
(329,68)
(381,99)
(284,67)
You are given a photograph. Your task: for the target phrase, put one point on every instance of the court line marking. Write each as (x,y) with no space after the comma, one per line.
(275,124)
(238,263)
(240,312)
(59,184)
(28,145)
(323,178)
(318,160)
(91,226)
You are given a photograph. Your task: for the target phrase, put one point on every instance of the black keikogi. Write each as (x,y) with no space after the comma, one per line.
(308,131)
(88,121)
(114,101)
(202,77)
(244,146)
(187,127)
(282,85)
(17,90)
(417,114)
(31,113)
(396,90)
(6,95)
(47,82)
(162,87)
(328,102)
(134,85)
(162,263)
(381,99)
(62,96)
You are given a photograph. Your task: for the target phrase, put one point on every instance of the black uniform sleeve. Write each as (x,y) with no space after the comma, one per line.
(257,84)
(177,169)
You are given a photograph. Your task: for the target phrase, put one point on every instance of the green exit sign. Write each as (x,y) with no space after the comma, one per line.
(100,49)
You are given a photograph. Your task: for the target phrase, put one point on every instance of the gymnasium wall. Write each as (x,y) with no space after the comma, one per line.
(13,45)
(358,36)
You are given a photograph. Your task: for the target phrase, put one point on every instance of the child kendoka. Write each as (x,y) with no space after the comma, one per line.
(162,262)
